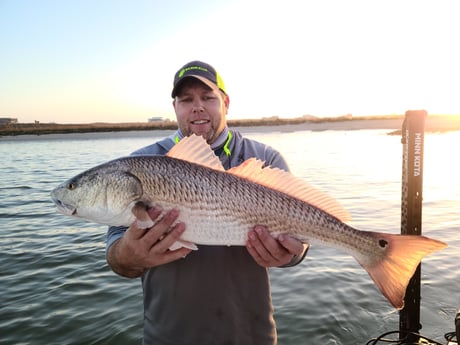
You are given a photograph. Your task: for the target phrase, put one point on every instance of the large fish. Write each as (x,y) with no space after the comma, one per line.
(219,207)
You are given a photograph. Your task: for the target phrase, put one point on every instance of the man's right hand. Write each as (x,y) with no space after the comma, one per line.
(140,249)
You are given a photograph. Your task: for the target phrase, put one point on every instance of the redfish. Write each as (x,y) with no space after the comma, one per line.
(219,207)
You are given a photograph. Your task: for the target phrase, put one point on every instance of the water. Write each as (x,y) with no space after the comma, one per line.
(58,289)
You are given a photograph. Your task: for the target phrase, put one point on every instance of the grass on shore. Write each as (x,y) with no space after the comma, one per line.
(55,128)
(435,123)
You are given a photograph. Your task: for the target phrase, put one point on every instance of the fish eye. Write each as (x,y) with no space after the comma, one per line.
(71,186)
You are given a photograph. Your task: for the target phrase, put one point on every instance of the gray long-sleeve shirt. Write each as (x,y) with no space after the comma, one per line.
(218,294)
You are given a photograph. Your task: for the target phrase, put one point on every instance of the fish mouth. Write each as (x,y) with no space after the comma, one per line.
(64,208)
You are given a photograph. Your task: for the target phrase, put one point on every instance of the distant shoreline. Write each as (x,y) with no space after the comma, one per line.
(434,123)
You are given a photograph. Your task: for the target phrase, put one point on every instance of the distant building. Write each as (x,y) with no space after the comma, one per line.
(5,121)
(310,117)
(157,119)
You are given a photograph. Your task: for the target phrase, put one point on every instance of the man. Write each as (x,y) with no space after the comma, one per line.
(218,294)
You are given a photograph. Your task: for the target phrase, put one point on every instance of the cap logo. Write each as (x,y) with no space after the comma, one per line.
(183,70)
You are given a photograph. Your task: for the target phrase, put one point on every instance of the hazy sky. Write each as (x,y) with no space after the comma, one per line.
(114,60)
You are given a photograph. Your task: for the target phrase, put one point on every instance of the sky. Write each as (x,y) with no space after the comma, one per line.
(85,61)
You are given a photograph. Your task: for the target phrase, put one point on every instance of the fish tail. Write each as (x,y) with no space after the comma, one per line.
(401,256)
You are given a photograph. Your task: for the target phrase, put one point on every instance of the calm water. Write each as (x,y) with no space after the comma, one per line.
(57,288)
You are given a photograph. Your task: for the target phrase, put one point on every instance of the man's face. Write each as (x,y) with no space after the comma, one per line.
(200,110)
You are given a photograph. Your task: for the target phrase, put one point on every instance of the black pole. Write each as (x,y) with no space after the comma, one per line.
(411,214)
(457,325)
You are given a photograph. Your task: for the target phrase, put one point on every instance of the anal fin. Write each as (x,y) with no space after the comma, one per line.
(183,244)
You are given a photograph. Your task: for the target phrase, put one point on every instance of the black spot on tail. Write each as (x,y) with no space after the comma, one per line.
(383,243)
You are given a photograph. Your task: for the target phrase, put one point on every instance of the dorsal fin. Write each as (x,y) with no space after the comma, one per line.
(196,150)
(275,178)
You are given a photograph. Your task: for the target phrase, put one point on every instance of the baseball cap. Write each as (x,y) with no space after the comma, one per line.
(199,70)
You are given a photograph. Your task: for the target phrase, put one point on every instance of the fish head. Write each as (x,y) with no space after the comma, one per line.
(104,194)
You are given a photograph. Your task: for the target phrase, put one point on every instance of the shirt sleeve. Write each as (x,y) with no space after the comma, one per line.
(114,233)
(275,159)
(298,258)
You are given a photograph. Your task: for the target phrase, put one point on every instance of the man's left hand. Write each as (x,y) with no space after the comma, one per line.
(268,251)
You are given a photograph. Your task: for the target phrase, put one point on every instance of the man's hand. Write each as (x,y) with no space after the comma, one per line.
(140,249)
(270,252)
